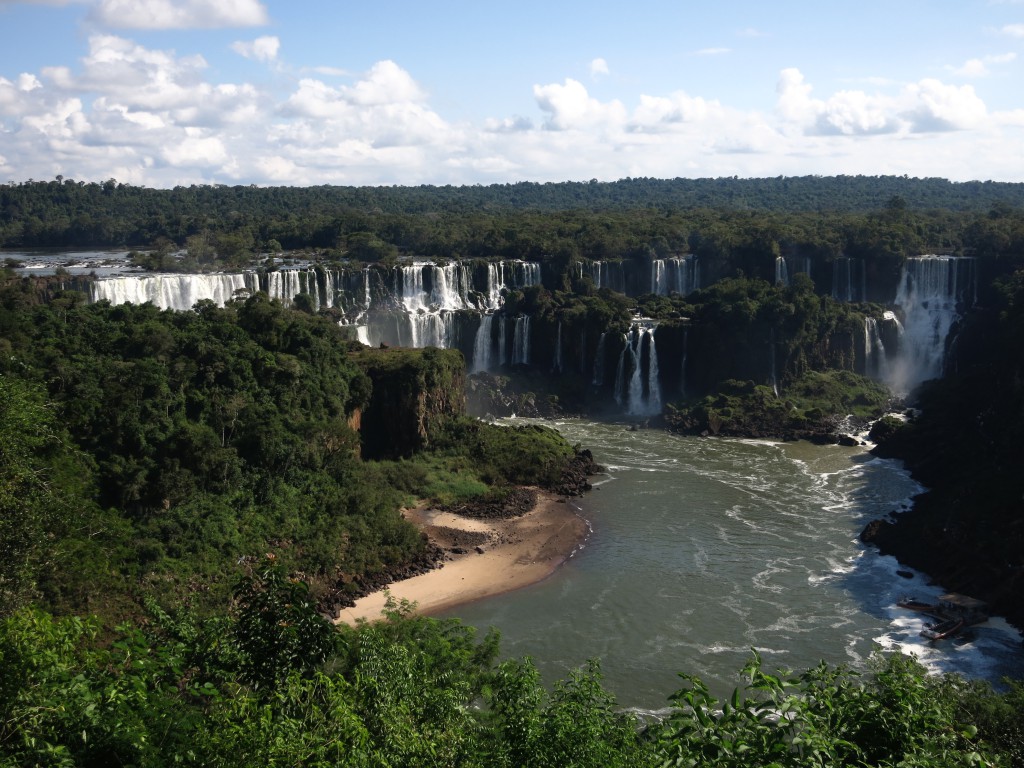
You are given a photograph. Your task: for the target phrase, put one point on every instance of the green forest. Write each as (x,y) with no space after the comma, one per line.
(185,498)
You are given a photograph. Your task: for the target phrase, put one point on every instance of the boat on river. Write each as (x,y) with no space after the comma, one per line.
(953,613)
(943,629)
(911,604)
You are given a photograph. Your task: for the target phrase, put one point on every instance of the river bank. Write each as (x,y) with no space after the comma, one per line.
(485,556)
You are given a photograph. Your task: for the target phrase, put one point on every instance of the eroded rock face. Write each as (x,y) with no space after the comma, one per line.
(413,390)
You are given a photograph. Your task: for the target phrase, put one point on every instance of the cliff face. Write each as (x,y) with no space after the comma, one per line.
(967,447)
(414,390)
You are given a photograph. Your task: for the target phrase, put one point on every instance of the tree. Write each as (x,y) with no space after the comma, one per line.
(35,500)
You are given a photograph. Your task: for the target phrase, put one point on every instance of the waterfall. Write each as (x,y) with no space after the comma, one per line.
(449,286)
(177,292)
(599,362)
(285,284)
(620,372)
(521,341)
(413,296)
(494,285)
(557,365)
(507,274)
(771,355)
(482,344)
(676,275)
(636,380)
(781,271)
(876,364)
(849,282)
(653,385)
(502,341)
(659,281)
(641,396)
(930,290)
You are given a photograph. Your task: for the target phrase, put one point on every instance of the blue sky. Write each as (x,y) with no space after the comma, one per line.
(166,92)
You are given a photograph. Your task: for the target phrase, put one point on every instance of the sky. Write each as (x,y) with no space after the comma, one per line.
(162,93)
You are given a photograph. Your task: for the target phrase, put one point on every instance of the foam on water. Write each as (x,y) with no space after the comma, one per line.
(705,548)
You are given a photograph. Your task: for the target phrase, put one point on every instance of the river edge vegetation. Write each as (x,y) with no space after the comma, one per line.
(174,453)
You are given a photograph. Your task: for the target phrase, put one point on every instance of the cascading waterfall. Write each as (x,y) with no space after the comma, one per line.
(321,286)
(771,357)
(482,344)
(502,341)
(641,395)
(508,274)
(521,341)
(177,292)
(653,392)
(849,282)
(781,271)
(676,275)
(620,371)
(931,291)
(876,364)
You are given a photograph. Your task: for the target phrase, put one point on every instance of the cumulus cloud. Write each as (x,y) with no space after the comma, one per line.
(151,116)
(923,107)
(598,67)
(197,151)
(656,113)
(261,49)
(1013,30)
(180,14)
(570,106)
(935,106)
(980,67)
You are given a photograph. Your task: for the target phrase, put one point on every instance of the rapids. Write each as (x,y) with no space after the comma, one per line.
(702,549)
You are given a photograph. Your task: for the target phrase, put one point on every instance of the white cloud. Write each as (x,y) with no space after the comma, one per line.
(197,151)
(598,67)
(980,67)
(1013,30)
(150,116)
(570,106)
(261,49)
(935,106)
(508,124)
(660,112)
(926,106)
(180,14)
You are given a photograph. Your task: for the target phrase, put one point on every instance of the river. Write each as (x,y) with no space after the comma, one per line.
(702,549)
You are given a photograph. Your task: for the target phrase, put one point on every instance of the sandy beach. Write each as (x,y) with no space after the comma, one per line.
(499,555)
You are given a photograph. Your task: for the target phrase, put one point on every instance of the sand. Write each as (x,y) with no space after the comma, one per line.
(515,553)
